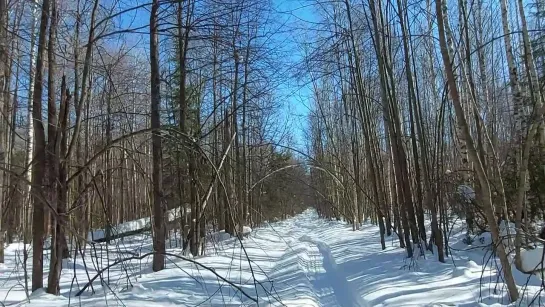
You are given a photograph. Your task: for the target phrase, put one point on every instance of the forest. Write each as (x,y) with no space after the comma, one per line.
(185,120)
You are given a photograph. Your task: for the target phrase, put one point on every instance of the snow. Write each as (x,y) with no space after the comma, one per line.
(131,226)
(218,236)
(466,192)
(507,234)
(532,259)
(301,261)
(483,240)
(246,230)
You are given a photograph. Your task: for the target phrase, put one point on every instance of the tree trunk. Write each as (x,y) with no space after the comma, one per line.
(52,158)
(38,170)
(4,80)
(157,157)
(59,249)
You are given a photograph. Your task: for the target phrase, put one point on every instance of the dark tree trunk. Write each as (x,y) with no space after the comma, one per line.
(38,170)
(157,157)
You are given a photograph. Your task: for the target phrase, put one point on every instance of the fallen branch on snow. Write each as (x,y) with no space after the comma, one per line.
(99,273)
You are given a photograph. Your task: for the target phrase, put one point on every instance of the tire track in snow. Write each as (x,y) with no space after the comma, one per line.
(345,294)
(293,269)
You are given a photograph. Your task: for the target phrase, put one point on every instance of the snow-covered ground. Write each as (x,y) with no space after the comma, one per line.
(302,261)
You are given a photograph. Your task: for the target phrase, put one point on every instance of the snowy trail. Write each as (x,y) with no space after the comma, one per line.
(335,279)
(302,261)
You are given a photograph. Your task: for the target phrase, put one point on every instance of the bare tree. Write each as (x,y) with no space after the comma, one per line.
(158,209)
(38,170)
(4,80)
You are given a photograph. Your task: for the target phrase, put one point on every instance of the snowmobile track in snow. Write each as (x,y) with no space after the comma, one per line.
(332,278)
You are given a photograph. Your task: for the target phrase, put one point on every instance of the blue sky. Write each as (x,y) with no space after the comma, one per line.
(294,94)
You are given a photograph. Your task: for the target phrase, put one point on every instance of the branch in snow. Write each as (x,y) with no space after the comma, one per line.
(99,273)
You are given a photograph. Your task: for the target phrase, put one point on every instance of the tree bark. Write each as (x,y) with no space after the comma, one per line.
(52,158)
(38,170)
(157,157)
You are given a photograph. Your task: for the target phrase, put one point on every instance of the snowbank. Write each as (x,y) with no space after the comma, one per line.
(531,259)
(483,240)
(221,235)
(132,226)
(218,236)
(246,230)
